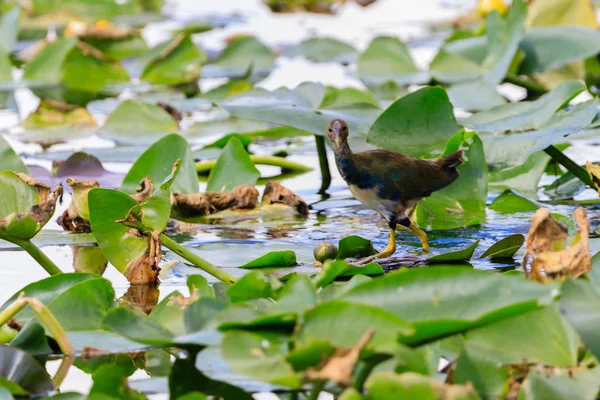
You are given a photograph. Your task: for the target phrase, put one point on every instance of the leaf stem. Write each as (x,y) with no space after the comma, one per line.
(36,253)
(569,164)
(525,83)
(47,318)
(196,260)
(204,167)
(316,390)
(323,163)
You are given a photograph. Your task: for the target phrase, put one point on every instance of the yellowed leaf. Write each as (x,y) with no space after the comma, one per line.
(594,171)
(561,12)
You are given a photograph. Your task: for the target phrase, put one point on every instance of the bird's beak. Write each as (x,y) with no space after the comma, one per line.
(337,141)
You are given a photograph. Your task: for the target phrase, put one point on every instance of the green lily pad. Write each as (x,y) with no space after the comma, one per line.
(157,163)
(552,47)
(461,96)
(253,285)
(9,160)
(323,49)
(348,98)
(410,385)
(580,385)
(429,301)
(513,202)
(9,28)
(355,247)
(417,124)
(27,205)
(233,168)
(455,256)
(174,62)
(138,123)
(505,248)
(128,45)
(524,177)
(462,203)
(21,374)
(252,355)
(242,55)
(453,68)
(273,259)
(387,59)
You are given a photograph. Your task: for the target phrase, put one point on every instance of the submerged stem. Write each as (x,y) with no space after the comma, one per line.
(569,164)
(196,260)
(204,167)
(47,318)
(36,253)
(323,163)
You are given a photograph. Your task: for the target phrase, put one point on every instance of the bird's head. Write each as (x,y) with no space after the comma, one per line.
(338,131)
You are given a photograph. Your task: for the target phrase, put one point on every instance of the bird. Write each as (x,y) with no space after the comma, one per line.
(391,183)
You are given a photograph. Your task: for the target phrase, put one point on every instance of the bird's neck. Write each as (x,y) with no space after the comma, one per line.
(346,162)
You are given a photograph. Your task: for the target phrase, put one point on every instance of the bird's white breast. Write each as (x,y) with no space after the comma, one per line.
(369,198)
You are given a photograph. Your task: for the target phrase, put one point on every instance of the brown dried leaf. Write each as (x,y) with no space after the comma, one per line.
(42,211)
(594,171)
(199,204)
(76,217)
(142,297)
(545,253)
(144,191)
(276,193)
(338,368)
(144,269)
(173,112)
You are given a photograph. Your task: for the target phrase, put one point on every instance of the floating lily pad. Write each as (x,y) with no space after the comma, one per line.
(387,59)
(355,247)
(139,123)
(512,202)
(273,259)
(174,63)
(348,98)
(243,55)
(116,43)
(324,50)
(505,248)
(455,256)
(9,160)
(233,168)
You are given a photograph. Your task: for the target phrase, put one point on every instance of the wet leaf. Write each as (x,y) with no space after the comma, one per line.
(430,304)
(506,247)
(138,123)
(387,59)
(455,256)
(233,158)
(27,205)
(22,374)
(273,259)
(326,320)
(409,385)
(418,124)
(462,203)
(253,285)
(355,247)
(174,63)
(9,160)
(333,269)
(558,385)
(512,202)
(243,55)
(252,355)
(157,163)
(324,49)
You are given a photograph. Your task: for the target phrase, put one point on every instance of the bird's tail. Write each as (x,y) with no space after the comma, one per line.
(451,161)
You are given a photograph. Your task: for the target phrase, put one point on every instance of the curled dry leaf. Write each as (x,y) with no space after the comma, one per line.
(144,269)
(76,218)
(199,204)
(594,171)
(546,255)
(25,224)
(276,193)
(144,191)
(338,368)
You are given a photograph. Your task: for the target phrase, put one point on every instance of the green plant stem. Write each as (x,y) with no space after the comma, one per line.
(45,315)
(323,163)
(316,390)
(204,167)
(197,260)
(36,253)
(525,83)
(569,164)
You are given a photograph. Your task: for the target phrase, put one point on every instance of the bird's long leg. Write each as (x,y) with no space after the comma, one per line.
(418,232)
(391,247)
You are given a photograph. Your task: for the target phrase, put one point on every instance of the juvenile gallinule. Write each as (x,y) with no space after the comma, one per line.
(391,183)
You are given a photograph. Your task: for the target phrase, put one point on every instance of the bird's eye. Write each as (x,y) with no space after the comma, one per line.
(329,130)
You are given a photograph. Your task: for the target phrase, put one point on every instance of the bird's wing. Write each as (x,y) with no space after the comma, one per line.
(401,177)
